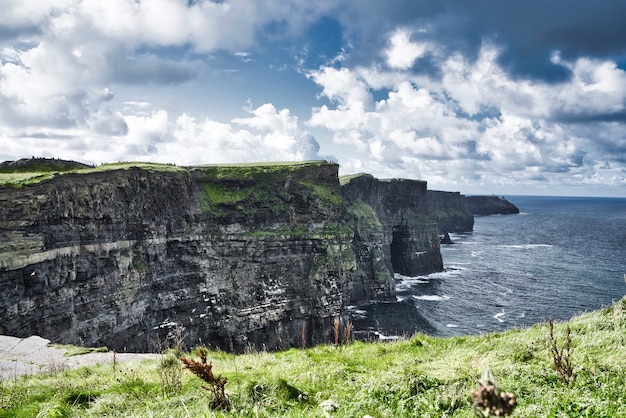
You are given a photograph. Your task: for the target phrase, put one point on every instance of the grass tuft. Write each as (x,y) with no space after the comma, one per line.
(421,376)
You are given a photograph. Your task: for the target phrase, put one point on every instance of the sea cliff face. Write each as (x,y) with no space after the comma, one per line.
(490,205)
(237,256)
(395,232)
(263,256)
(450,210)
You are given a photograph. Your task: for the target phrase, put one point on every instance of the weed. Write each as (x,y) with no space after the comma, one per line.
(170,367)
(342,336)
(489,400)
(562,357)
(618,313)
(204,371)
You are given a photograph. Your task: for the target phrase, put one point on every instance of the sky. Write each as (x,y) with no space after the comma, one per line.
(482,97)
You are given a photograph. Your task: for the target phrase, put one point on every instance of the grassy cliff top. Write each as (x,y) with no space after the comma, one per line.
(347,178)
(420,376)
(32,171)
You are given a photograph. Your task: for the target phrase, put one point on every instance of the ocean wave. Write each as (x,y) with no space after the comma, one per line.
(452,325)
(383,337)
(356,312)
(432,298)
(527,246)
(499,316)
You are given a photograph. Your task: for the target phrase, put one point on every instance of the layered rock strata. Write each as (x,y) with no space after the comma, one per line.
(450,210)
(490,205)
(394,232)
(263,256)
(237,256)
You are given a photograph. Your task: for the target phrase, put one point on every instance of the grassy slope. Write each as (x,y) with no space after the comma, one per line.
(36,173)
(423,376)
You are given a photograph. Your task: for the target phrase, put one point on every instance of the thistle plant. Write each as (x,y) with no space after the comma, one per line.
(204,371)
(562,356)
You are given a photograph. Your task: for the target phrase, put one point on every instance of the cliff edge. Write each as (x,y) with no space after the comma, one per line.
(490,205)
(250,255)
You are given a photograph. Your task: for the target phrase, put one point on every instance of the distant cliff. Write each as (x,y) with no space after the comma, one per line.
(455,212)
(451,211)
(394,232)
(241,255)
(490,205)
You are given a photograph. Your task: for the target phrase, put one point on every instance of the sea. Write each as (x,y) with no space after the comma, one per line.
(558,258)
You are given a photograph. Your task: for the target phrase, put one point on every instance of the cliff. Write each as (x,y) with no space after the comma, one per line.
(394,232)
(450,210)
(237,255)
(490,205)
(245,255)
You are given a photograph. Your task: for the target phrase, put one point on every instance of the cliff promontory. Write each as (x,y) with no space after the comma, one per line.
(490,205)
(242,255)
(451,211)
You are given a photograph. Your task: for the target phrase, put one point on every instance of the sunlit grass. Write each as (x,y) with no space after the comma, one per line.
(422,376)
(23,176)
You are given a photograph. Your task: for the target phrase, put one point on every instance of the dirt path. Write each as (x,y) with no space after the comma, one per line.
(25,356)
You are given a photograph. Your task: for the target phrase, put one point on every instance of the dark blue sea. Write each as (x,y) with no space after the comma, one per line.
(560,257)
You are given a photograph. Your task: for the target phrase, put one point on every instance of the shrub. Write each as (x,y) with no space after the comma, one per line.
(562,357)
(204,371)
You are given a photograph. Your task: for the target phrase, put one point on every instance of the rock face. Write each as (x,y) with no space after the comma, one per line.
(490,205)
(263,256)
(451,211)
(394,232)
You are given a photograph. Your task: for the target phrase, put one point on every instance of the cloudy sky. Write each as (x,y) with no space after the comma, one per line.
(484,96)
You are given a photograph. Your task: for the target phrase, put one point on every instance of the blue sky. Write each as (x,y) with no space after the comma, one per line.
(504,97)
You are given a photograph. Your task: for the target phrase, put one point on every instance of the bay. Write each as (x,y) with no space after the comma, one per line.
(561,256)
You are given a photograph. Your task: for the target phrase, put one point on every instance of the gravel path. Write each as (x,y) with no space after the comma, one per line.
(26,356)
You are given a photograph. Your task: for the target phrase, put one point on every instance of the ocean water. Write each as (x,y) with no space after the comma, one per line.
(561,256)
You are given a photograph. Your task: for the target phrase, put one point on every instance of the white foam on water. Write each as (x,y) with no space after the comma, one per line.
(432,298)
(452,325)
(499,316)
(528,246)
(405,283)
(384,337)
(356,312)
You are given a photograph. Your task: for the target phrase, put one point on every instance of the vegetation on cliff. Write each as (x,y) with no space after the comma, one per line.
(421,376)
(32,171)
(266,187)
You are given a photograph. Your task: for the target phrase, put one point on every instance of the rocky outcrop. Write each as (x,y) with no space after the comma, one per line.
(490,205)
(450,210)
(237,256)
(265,256)
(394,233)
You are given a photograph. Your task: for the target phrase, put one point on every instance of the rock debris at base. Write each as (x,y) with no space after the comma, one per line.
(33,355)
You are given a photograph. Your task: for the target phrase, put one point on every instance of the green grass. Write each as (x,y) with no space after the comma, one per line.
(39,173)
(251,188)
(346,178)
(422,376)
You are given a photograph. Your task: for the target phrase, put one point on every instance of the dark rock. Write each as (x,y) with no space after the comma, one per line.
(239,256)
(490,205)
(394,230)
(451,211)
(446,239)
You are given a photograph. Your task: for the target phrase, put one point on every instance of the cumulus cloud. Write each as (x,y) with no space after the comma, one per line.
(474,121)
(75,48)
(458,94)
(402,53)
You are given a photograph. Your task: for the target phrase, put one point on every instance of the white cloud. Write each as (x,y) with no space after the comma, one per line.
(474,123)
(402,53)
(342,86)
(470,123)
